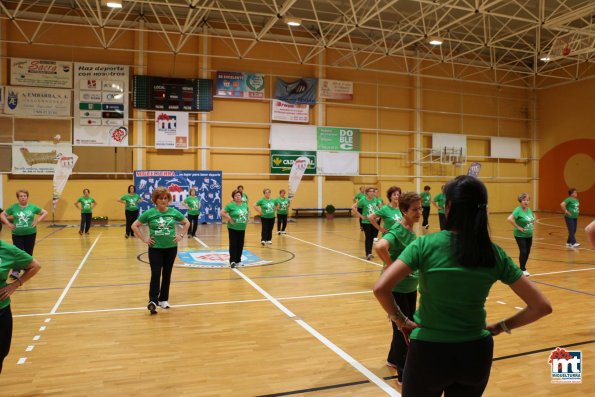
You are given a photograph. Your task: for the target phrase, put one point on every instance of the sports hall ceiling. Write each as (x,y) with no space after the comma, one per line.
(501,41)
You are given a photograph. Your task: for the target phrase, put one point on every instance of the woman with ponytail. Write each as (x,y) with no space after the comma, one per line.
(451,347)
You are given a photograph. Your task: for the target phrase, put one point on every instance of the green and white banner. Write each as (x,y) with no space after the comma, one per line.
(338,139)
(282,161)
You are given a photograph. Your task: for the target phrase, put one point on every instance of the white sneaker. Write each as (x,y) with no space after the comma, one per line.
(152,307)
(526,273)
(164,304)
(263,242)
(233,265)
(375,239)
(283,232)
(269,242)
(575,245)
(369,257)
(569,245)
(278,233)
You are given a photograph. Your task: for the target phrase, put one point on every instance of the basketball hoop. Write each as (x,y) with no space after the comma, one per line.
(561,48)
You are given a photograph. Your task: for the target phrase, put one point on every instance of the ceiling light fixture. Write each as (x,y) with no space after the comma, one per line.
(435,41)
(112,3)
(545,58)
(292,21)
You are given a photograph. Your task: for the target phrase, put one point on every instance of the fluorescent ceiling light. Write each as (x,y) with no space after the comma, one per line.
(292,21)
(545,58)
(435,41)
(112,3)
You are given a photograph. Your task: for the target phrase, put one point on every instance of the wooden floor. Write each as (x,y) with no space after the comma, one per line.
(305,326)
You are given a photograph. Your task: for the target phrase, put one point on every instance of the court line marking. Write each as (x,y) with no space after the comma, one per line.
(335,251)
(336,349)
(200,242)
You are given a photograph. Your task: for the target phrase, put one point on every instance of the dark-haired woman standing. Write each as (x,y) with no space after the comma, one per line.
(130,201)
(522,219)
(570,206)
(236,215)
(451,349)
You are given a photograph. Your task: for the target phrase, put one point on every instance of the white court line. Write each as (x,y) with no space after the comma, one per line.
(548,224)
(563,271)
(61,298)
(201,242)
(335,251)
(22,360)
(350,360)
(30,348)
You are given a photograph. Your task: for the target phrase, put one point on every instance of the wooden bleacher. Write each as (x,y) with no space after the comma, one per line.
(319,211)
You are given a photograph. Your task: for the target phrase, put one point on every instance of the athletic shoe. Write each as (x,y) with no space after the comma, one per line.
(87,233)
(375,239)
(152,307)
(241,264)
(569,245)
(526,273)
(269,242)
(232,265)
(283,232)
(126,236)
(81,233)
(427,226)
(263,243)
(575,245)
(279,233)
(164,304)
(369,257)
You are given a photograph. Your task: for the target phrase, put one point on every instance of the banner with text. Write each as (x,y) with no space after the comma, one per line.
(283,111)
(41,102)
(240,85)
(179,183)
(338,139)
(301,91)
(40,73)
(171,130)
(100,104)
(335,89)
(37,157)
(282,161)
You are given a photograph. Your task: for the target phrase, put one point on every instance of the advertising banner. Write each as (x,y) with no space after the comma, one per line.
(62,172)
(240,85)
(171,130)
(179,183)
(283,111)
(42,102)
(37,157)
(282,161)
(335,89)
(40,73)
(302,91)
(100,104)
(338,139)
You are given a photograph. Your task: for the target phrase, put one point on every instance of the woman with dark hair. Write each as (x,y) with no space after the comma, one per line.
(240,189)
(358,196)
(426,200)
(85,203)
(130,201)
(390,246)
(570,207)
(439,204)
(390,212)
(451,348)
(193,204)
(236,216)
(522,219)
(163,244)
(282,204)
(368,204)
(265,207)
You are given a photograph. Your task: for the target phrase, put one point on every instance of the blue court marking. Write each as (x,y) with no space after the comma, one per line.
(216,258)
(564,288)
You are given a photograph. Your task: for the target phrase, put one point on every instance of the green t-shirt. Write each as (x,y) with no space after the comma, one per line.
(524,220)
(131,201)
(398,238)
(390,215)
(239,214)
(193,204)
(11,257)
(267,207)
(452,298)
(440,199)
(358,197)
(23,218)
(283,205)
(244,198)
(162,226)
(368,207)
(426,198)
(572,207)
(86,207)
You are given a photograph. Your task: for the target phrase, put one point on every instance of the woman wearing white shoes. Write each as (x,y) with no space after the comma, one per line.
(163,244)
(368,204)
(571,211)
(282,204)
(236,215)
(522,219)
(265,207)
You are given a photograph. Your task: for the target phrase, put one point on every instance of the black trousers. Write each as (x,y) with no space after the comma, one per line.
(26,243)
(524,244)
(457,369)
(5,333)
(193,219)
(266,233)
(369,232)
(442,219)
(571,224)
(361,211)
(131,216)
(425,212)
(281,222)
(236,244)
(162,264)
(85,222)
(398,347)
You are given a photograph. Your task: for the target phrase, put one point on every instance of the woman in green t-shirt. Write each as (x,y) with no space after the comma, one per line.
(163,244)
(522,219)
(85,203)
(390,246)
(236,215)
(265,207)
(282,204)
(451,348)
(358,196)
(426,201)
(390,212)
(369,206)
(438,202)
(131,210)
(193,204)
(570,206)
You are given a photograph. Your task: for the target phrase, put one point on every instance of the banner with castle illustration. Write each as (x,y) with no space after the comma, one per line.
(37,157)
(179,183)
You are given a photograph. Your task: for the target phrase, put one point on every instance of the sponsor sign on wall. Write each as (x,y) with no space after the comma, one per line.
(40,73)
(283,111)
(282,161)
(42,102)
(240,85)
(37,157)
(171,130)
(338,139)
(335,89)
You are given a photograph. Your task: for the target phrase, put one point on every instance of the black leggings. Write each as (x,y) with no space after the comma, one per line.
(131,216)
(281,222)
(524,244)
(267,229)
(5,333)
(193,219)
(26,243)
(442,220)
(361,211)
(85,222)
(370,232)
(162,264)
(425,212)
(398,347)
(458,369)
(236,244)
